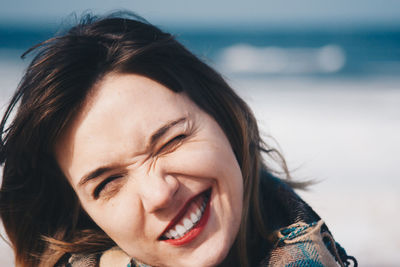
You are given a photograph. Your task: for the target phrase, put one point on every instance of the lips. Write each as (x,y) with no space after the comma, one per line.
(190,220)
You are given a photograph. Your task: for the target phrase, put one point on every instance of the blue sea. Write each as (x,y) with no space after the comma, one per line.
(329,97)
(344,52)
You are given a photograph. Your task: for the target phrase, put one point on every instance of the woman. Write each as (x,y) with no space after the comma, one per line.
(127,149)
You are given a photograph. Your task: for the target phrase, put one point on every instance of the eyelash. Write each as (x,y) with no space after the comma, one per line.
(174,140)
(97,191)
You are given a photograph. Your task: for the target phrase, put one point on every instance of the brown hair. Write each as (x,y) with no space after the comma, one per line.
(41,214)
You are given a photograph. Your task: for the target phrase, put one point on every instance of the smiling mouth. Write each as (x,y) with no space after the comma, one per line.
(189,222)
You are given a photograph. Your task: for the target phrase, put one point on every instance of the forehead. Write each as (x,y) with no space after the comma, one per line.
(121,112)
(128,91)
(135,97)
(132,102)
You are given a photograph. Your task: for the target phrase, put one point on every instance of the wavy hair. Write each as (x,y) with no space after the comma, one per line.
(40,212)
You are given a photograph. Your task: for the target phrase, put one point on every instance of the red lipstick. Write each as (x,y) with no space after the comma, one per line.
(196,229)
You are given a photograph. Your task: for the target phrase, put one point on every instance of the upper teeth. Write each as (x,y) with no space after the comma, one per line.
(187,223)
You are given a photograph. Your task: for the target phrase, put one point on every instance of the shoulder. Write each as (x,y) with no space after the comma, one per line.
(302,244)
(297,235)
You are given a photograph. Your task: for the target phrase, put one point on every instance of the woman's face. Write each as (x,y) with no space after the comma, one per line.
(155,172)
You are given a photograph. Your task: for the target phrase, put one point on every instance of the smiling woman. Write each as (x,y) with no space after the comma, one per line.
(126,149)
(168,173)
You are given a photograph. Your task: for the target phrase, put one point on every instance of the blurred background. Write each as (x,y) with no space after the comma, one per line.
(323,78)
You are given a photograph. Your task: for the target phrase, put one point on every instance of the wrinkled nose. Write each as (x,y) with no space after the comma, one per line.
(157,191)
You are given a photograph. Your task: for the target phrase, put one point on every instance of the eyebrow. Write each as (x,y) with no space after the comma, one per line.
(163,130)
(155,137)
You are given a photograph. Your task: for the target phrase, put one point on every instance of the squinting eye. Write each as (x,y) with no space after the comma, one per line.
(173,141)
(105,186)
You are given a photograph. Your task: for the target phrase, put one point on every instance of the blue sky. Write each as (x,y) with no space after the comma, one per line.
(213,12)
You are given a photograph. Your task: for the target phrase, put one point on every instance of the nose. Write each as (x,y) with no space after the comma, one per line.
(157,191)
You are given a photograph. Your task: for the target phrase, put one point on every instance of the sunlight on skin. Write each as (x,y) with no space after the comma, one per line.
(147,155)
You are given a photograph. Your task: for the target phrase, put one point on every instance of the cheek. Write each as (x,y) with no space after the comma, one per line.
(217,166)
(118,217)
(203,160)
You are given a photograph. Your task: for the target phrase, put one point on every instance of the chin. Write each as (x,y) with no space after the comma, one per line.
(211,253)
